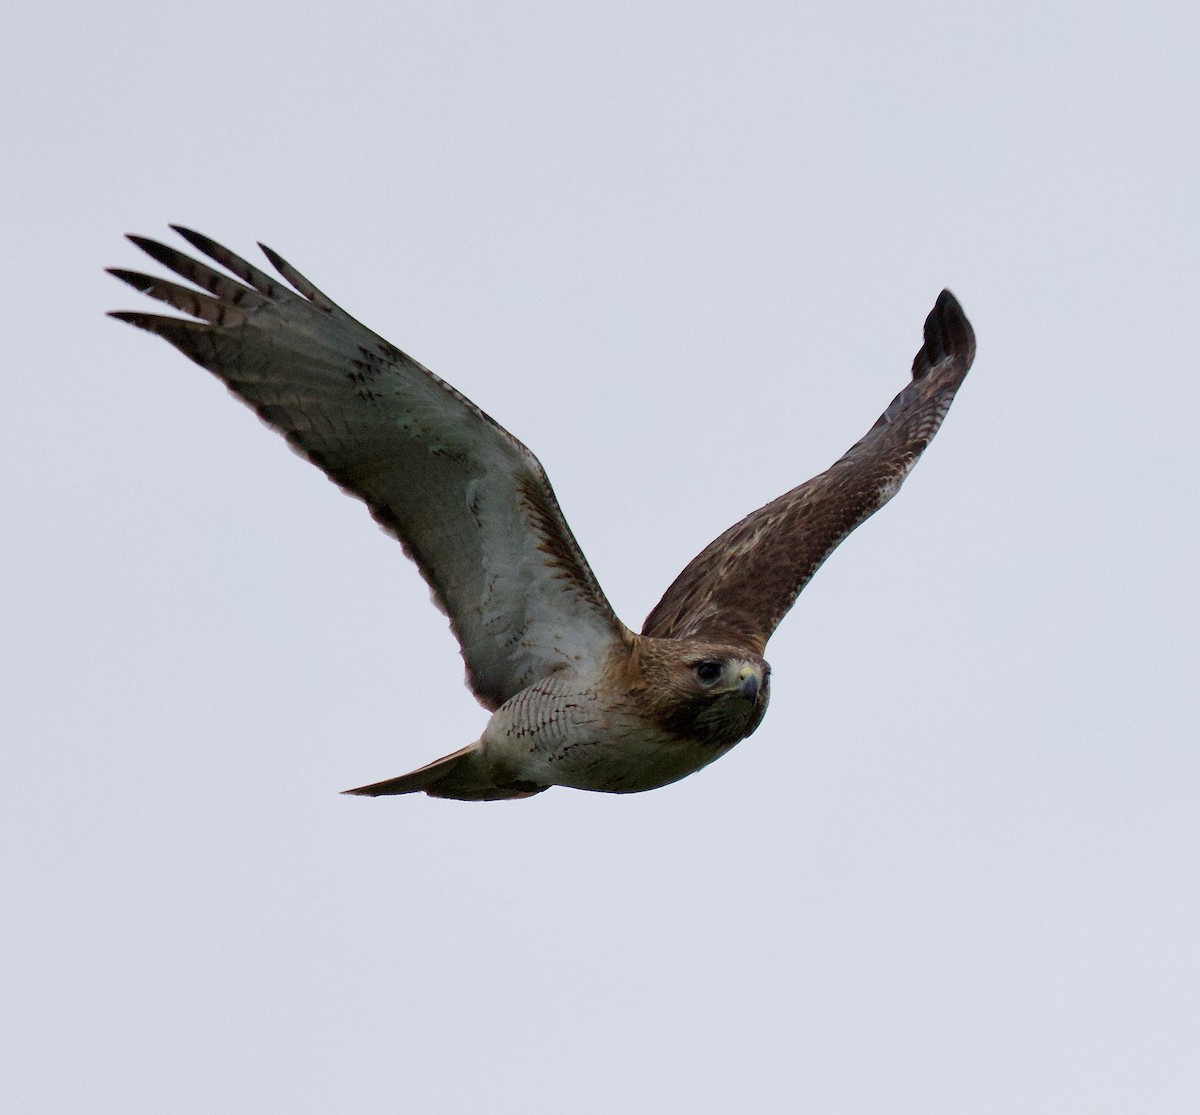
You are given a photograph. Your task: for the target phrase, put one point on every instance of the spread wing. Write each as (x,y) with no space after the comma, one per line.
(469,503)
(743,583)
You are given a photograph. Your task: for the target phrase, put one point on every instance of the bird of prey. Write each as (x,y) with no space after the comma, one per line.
(577,698)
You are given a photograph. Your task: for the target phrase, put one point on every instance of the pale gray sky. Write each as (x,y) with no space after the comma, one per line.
(683,251)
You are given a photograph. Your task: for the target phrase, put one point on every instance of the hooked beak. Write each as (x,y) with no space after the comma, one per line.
(748,683)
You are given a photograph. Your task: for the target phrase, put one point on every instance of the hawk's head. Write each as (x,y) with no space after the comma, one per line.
(711,693)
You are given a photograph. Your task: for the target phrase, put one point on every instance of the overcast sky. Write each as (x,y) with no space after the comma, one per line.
(684,252)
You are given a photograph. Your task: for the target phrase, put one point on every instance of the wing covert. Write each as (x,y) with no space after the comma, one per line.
(742,584)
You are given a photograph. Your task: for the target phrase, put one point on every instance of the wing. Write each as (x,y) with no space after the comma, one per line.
(469,503)
(743,583)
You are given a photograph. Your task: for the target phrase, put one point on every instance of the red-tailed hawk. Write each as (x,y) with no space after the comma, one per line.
(577,698)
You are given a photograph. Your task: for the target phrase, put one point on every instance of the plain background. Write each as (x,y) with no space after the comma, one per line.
(683,251)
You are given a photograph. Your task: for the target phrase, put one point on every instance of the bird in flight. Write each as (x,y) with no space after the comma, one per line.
(577,698)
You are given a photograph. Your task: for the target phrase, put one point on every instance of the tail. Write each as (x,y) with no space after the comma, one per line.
(464,775)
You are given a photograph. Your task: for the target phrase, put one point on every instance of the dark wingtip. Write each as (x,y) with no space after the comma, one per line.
(947,334)
(202,243)
(134,279)
(277,261)
(135,317)
(189,234)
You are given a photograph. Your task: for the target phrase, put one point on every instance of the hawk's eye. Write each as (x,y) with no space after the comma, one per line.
(708,670)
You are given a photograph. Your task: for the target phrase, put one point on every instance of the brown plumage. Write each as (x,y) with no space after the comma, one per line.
(577,698)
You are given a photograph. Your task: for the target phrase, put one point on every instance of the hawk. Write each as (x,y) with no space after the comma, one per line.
(577,698)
